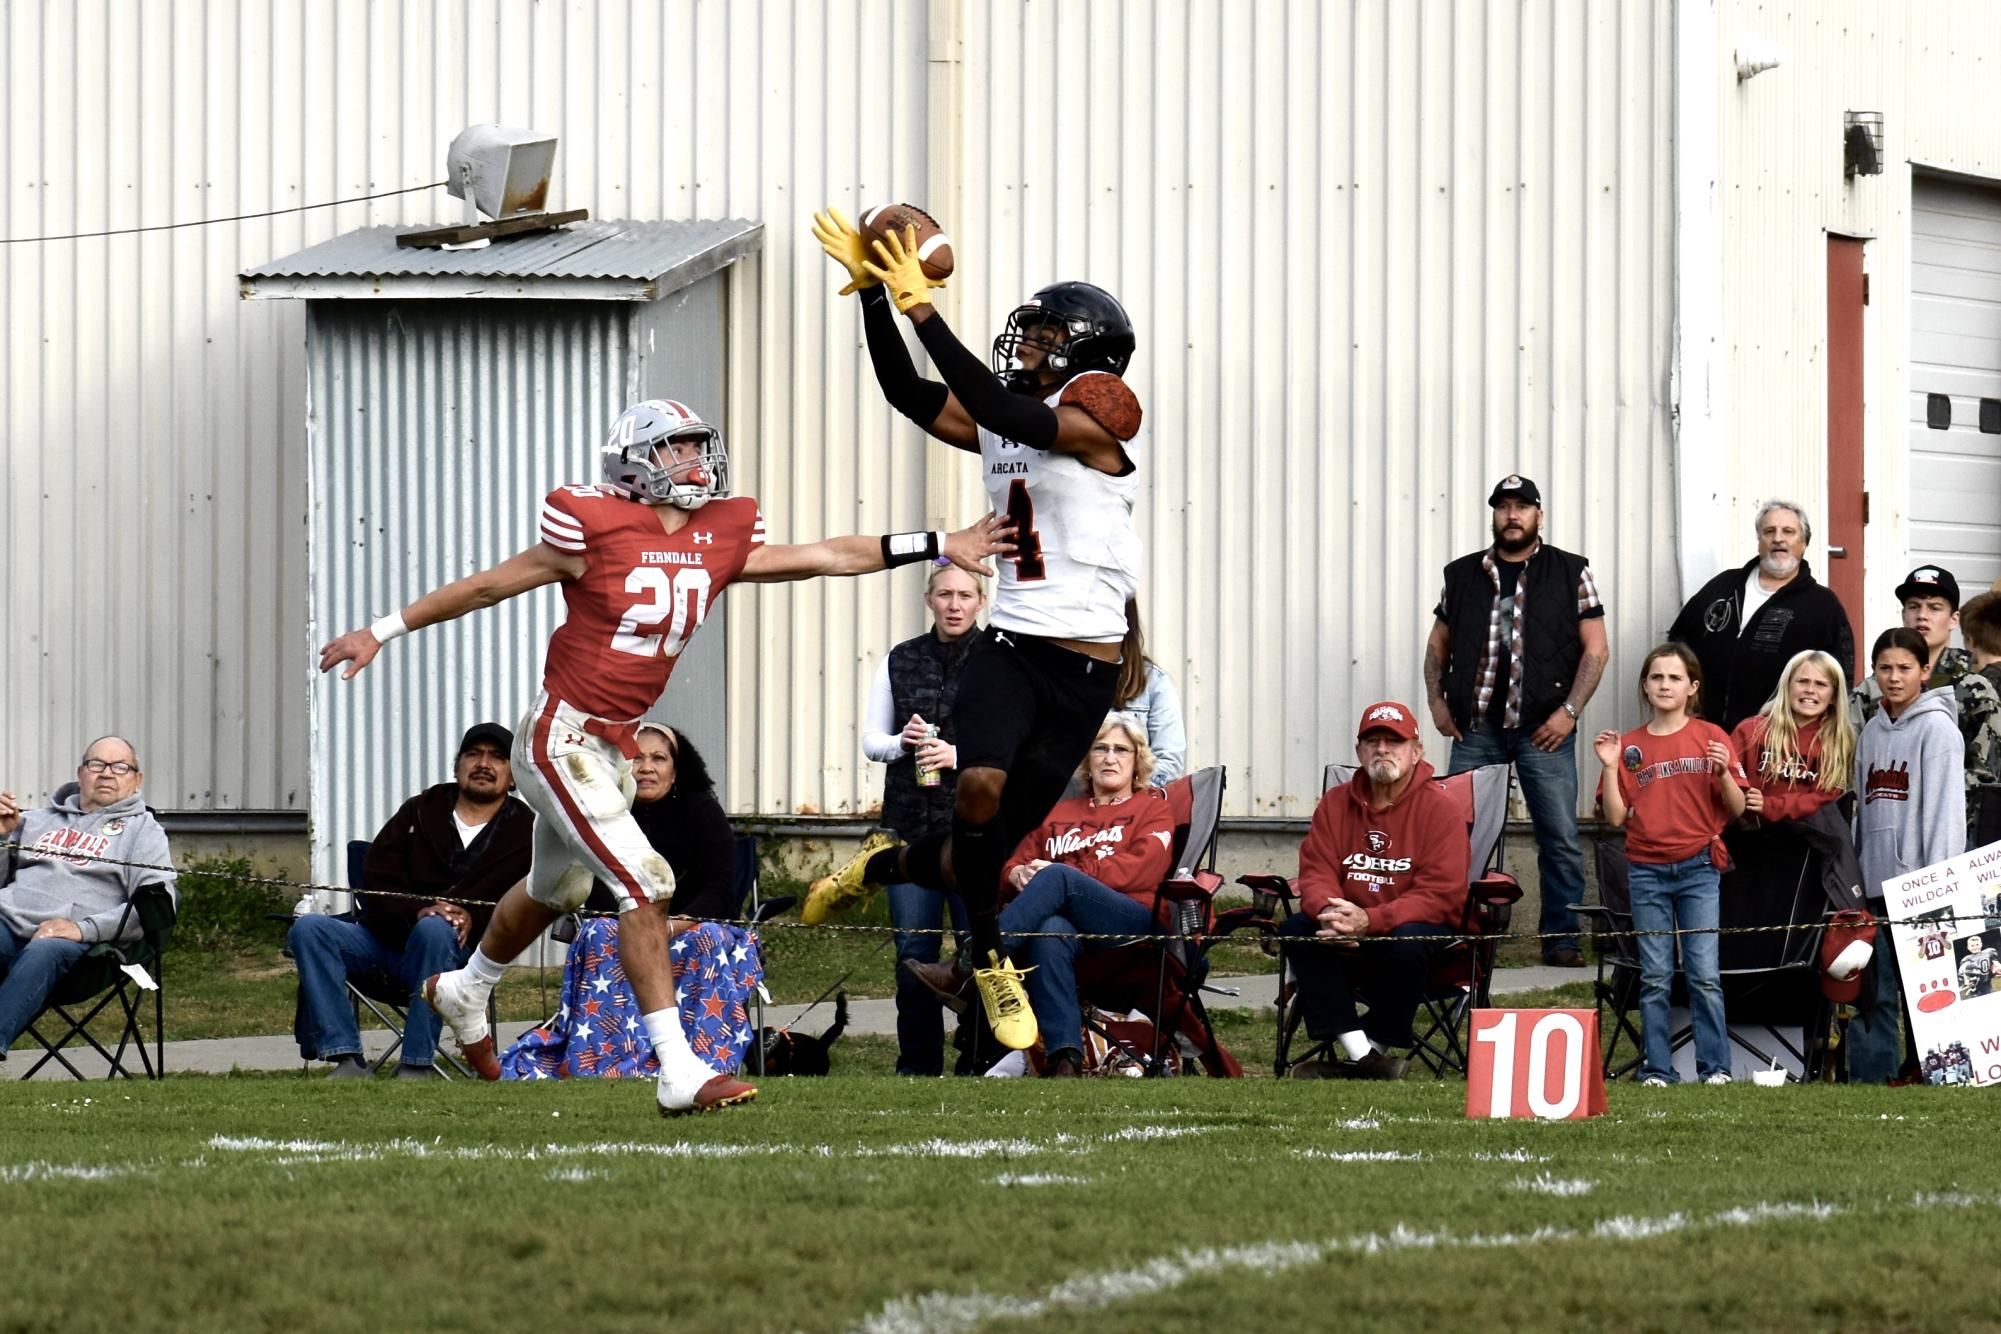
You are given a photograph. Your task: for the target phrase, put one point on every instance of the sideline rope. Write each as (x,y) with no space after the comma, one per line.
(210,222)
(869,928)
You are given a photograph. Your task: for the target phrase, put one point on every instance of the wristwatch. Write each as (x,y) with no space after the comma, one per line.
(1570,709)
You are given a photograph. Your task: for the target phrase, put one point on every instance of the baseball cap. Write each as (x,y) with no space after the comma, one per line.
(492,732)
(1387,716)
(1515,487)
(1930,581)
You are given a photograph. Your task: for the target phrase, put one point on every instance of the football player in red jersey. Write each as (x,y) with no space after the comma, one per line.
(641,557)
(1051,422)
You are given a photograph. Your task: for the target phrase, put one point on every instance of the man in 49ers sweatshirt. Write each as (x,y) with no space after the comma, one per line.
(1383,868)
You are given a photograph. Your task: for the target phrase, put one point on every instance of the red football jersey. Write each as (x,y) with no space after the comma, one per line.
(642,595)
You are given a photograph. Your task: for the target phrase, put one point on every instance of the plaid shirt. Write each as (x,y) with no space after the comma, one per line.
(1504,635)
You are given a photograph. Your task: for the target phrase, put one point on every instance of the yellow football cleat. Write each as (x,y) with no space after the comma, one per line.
(836,893)
(1006,1000)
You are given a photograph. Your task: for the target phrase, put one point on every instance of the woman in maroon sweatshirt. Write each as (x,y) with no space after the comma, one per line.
(1386,856)
(1092,868)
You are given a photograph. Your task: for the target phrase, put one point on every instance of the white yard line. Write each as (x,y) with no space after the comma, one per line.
(959,1313)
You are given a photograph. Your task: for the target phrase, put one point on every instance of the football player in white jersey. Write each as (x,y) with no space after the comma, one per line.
(1051,421)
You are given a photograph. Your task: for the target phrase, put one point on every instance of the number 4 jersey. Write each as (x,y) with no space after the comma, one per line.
(643,593)
(1077,556)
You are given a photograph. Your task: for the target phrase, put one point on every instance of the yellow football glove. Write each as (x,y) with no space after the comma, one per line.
(902,271)
(844,245)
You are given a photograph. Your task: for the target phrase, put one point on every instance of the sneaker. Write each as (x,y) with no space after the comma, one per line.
(836,893)
(946,981)
(350,1067)
(1717,1079)
(1378,1065)
(1656,1082)
(450,995)
(721,1091)
(1064,1065)
(1006,1002)
(1564,956)
(405,1070)
(1310,1070)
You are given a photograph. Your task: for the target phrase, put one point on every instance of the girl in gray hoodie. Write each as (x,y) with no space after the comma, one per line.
(1909,778)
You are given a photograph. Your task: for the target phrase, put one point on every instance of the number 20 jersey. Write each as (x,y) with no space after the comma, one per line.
(1077,555)
(643,593)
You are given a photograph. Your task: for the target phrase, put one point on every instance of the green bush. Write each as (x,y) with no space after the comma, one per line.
(221,907)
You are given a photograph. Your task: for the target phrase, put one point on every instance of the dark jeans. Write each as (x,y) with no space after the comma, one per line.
(29,971)
(920,1022)
(1062,901)
(1387,972)
(1549,786)
(330,950)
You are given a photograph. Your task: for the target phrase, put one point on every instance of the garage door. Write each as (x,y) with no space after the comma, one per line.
(1955,431)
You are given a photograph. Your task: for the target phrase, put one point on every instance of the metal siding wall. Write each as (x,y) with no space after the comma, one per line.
(1469,204)
(436,429)
(1931,70)
(1378,255)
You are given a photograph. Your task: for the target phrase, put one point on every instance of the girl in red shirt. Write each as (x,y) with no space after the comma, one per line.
(1800,747)
(1673,783)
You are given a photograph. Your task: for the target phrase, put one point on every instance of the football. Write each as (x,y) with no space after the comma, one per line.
(934,248)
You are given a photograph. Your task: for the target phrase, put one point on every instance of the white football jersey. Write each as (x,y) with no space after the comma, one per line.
(1077,557)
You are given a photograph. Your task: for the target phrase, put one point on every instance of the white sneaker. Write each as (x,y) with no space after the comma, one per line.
(1653,1082)
(1718,1078)
(461,1007)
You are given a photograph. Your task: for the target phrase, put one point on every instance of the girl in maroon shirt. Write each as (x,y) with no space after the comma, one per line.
(1800,747)
(1673,783)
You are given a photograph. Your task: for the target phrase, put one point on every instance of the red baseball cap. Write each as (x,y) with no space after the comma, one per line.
(1387,716)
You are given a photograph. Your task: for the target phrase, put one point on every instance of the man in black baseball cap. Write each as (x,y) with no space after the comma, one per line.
(1930,598)
(1517,646)
(427,888)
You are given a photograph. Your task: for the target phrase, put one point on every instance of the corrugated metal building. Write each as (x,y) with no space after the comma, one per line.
(1379,254)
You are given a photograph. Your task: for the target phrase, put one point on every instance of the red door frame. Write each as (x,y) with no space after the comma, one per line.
(1847,501)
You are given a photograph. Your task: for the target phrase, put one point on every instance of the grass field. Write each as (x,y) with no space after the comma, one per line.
(867,1202)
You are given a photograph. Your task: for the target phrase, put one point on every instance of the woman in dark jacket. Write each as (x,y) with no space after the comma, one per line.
(674,802)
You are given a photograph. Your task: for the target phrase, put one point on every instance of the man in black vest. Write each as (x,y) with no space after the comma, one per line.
(1517,649)
(1746,624)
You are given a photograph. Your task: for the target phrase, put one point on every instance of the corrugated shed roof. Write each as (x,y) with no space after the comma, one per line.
(615,251)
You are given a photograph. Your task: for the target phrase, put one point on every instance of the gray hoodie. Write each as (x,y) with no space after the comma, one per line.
(1909,777)
(37,884)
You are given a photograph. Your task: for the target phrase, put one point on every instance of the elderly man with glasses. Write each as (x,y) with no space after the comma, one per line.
(64,884)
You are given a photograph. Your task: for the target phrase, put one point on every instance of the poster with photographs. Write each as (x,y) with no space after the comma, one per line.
(1948,939)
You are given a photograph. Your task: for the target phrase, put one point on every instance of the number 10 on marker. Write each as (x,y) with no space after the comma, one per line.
(1540,1063)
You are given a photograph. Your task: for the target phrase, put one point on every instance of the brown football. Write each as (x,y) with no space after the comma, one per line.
(934,248)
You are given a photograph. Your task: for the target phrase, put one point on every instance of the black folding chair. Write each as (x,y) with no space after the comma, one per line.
(1460,976)
(1771,978)
(99,980)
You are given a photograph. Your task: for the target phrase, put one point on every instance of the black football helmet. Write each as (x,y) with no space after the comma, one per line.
(1099,334)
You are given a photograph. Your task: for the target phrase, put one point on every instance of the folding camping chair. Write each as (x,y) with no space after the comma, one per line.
(100,977)
(1771,979)
(1162,975)
(1461,975)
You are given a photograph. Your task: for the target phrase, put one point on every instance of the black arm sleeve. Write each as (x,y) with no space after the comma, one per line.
(909,393)
(1011,416)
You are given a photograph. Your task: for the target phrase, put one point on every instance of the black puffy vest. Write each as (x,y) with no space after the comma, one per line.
(924,680)
(1551,648)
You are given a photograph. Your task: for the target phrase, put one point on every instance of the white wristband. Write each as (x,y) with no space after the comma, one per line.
(941,558)
(389,627)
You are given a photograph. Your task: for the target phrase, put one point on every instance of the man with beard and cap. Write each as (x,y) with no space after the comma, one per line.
(1748,622)
(463,841)
(1386,855)
(1517,648)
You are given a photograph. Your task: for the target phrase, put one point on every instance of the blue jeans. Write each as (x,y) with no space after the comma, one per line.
(1685,894)
(1549,786)
(920,1023)
(29,971)
(1873,1035)
(1063,900)
(330,950)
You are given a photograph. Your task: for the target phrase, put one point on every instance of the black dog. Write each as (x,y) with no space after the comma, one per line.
(788,1053)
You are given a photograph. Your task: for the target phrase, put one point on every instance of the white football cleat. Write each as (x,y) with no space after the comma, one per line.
(453,996)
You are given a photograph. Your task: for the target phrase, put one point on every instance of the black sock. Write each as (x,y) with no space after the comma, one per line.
(979,850)
(885,868)
(924,863)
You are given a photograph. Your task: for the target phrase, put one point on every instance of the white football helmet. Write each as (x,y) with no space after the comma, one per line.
(638,460)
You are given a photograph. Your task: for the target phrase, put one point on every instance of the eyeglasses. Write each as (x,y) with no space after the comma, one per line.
(1108,748)
(117,767)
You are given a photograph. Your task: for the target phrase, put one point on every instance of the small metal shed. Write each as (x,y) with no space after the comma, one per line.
(447,392)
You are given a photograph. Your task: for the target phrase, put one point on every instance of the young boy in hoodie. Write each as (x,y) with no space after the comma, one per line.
(56,899)
(1908,772)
